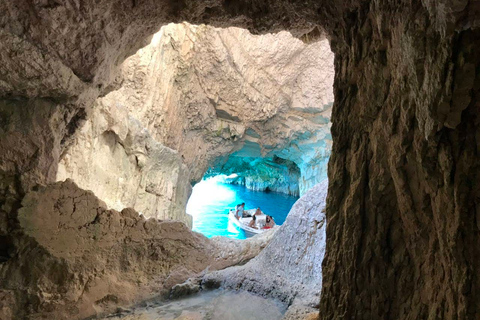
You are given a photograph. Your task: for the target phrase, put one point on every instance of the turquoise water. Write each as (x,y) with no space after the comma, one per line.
(211,199)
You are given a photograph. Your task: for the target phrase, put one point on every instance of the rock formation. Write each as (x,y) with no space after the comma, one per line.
(76,258)
(289,268)
(261,174)
(403,200)
(205,92)
(116,157)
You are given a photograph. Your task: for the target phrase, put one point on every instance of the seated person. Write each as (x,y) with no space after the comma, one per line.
(253,222)
(269,223)
(258,212)
(240,210)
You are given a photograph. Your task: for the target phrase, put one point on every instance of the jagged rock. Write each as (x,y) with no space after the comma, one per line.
(195,90)
(116,157)
(289,268)
(403,200)
(188,287)
(404,169)
(75,258)
(199,92)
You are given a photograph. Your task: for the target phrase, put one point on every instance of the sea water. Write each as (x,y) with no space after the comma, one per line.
(211,200)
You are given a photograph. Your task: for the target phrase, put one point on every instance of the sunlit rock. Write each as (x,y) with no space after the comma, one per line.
(194,96)
(117,158)
(290,266)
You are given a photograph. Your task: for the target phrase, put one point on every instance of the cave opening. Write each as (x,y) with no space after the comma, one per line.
(403,173)
(199,101)
(246,117)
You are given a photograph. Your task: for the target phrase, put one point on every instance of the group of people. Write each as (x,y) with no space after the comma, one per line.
(240,212)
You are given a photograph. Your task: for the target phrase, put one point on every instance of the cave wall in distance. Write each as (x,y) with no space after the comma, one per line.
(260,174)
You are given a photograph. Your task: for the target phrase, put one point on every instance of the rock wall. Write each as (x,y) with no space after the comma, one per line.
(197,91)
(290,267)
(57,58)
(115,156)
(261,174)
(76,258)
(403,200)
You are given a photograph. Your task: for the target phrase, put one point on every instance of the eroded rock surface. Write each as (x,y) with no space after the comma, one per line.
(76,258)
(404,195)
(116,157)
(214,91)
(261,174)
(205,92)
(403,204)
(289,268)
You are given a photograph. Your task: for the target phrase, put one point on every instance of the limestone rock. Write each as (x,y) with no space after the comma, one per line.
(403,200)
(404,169)
(116,157)
(183,91)
(76,258)
(289,268)
(261,174)
(208,92)
(190,286)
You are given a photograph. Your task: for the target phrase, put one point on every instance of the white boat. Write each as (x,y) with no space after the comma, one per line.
(242,223)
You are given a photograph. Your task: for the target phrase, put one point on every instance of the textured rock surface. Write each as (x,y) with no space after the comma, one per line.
(115,156)
(289,268)
(403,198)
(205,92)
(404,189)
(76,258)
(261,174)
(64,54)
(92,38)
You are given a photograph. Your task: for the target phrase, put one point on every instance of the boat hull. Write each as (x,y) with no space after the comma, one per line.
(243,222)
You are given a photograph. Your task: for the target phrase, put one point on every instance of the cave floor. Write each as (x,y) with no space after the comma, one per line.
(213,305)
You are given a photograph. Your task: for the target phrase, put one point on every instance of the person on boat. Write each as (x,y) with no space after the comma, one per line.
(240,210)
(269,223)
(253,222)
(258,212)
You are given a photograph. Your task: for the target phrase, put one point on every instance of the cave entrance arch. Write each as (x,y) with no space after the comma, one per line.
(440,47)
(190,99)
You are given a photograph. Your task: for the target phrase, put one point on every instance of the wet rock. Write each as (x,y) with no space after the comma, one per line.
(190,315)
(211,305)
